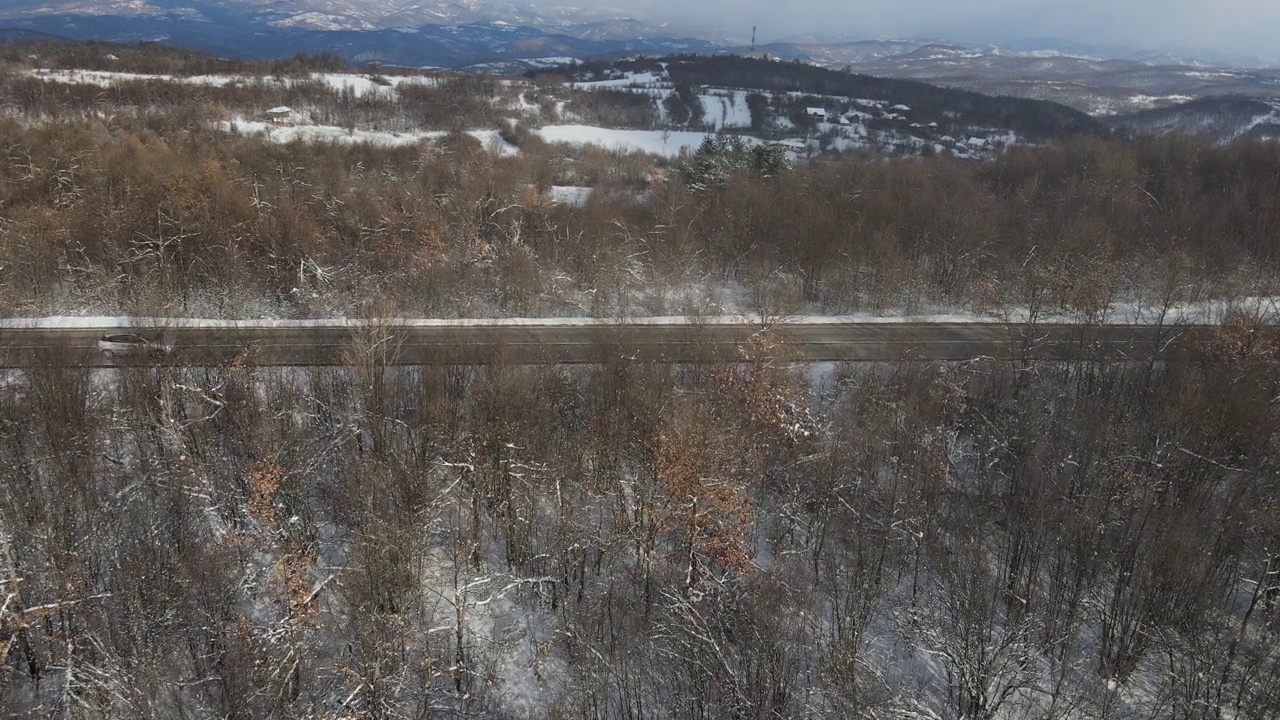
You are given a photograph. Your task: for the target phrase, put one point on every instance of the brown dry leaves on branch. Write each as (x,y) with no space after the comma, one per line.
(700,467)
(1244,340)
(294,569)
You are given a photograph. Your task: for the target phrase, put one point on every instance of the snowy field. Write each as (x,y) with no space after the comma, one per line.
(657,142)
(631,80)
(668,144)
(358,84)
(726,108)
(491,139)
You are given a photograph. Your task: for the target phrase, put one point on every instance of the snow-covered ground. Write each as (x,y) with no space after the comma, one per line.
(104,78)
(326,133)
(1271,118)
(552,61)
(630,80)
(569,195)
(1103,106)
(657,142)
(359,84)
(1149,101)
(726,109)
(1121,314)
(491,139)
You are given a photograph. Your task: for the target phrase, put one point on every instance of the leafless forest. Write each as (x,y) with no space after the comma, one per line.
(1074,540)
(129,199)
(760,539)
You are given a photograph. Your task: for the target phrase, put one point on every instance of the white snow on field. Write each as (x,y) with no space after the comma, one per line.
(522,104)
(1146,102)
(321,21)
(358,84)
(1104,106)
(362,85)
(1271,118)
(326,133)
(551,61)
(569,195)
(726,109)
(491,139)
(630,79)
(1201,74)
(105,78)
(657,142)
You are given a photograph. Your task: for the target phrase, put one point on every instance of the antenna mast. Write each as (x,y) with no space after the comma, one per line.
(753,41)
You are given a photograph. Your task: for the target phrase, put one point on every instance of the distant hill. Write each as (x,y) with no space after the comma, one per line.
(236,33)
(1221,118)
(1095,86)
(956,110)
(16,35)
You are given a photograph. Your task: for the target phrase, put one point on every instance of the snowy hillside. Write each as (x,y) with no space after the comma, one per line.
(1222,118)
(807,123)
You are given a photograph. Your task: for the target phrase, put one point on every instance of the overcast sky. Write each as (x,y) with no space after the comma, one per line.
(1227,26)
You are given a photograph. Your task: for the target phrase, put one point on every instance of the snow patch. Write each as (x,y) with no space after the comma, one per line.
(569,195)
(491,139)
(630,79)
(357,84)
(656,142)
(1124,313)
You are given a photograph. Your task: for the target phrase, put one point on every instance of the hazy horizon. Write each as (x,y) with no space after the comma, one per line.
(1237,29)
(1230,27)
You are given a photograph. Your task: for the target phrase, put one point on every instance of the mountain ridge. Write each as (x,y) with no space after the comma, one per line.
(515,37)
(135,20)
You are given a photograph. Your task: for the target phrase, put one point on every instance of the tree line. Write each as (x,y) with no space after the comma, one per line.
(1034,119)
(154,58)
(162,211)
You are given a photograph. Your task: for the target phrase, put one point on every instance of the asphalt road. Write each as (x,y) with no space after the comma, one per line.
(409,343)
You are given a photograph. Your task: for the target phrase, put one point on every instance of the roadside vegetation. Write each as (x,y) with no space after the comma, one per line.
(983,540)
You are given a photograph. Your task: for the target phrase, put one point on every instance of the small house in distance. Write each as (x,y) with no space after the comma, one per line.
(280,116)
(817,112)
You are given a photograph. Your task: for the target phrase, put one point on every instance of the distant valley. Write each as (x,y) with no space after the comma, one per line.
(1132,90)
